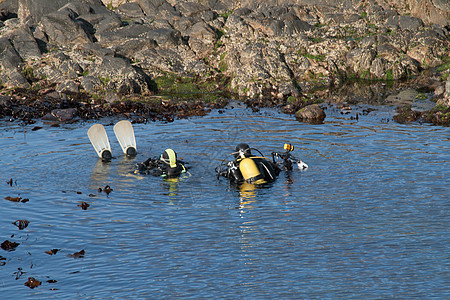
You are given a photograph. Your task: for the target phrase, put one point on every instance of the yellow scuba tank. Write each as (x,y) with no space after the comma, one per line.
(250,171)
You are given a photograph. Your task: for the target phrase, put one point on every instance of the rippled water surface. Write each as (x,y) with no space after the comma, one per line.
(368,219)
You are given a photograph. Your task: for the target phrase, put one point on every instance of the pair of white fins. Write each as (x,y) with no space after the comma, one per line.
(124,134)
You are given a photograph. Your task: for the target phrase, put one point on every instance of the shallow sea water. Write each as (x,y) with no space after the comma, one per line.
(368,218)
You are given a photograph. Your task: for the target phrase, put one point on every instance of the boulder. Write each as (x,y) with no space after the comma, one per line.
(131,10)
(404,23)
(10,66)
(91,84)
(68,86)
(61,115)
(63,31)
(117,36)
(164,37)
(118,75)
(312,113)
(9,58)
(24,42)
(58,67)
(160,9)
(34,10)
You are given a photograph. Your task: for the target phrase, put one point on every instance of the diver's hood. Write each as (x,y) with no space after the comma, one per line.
(169,157)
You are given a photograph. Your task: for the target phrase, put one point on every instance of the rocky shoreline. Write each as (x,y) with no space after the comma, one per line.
(152,60)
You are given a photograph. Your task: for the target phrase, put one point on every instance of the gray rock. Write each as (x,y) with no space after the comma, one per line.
(14,78)
(35,10)
(4,100)
(119,75)
(121,35)
(108,23)
(164,37)
(91,84)
(132,48)
(68,86)
(404,23)
(131,9)
(9,58)
(63,31)
(95,49)
(24,42)
(293,25)
(158,9)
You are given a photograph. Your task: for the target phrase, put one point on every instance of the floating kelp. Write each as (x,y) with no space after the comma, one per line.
(77,254)
(13,199)
(10,182)
(83,205)
(32,283)
(107,189)
(52,252)
(22,224)
(19,273)
(9,246)
(16,199)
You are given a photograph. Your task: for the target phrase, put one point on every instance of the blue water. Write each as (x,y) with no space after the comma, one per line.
(368,219)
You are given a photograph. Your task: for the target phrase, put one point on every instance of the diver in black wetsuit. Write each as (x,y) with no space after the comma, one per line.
(257,169)
(167,165)
(249,168)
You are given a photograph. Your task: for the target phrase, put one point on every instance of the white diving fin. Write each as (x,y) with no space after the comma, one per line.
(99,140)
(125,135)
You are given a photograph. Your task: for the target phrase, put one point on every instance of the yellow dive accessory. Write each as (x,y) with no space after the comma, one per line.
(288,147)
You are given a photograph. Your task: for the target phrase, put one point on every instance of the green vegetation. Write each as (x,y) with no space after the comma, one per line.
(222,63)
(28,73)
(389,74)
(191,88)
(444,68)
(291,100)
(421,96)
(304,52)
(226,15)
(105,80)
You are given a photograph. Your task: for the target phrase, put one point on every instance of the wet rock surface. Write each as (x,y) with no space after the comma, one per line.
(160,60)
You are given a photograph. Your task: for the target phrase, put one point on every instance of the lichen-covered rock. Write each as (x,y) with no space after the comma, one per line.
(265,49)
(118,75)
(24,42)
(63,31)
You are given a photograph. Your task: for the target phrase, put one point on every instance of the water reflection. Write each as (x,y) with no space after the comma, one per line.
(247,195)
(171,186)
(100,173)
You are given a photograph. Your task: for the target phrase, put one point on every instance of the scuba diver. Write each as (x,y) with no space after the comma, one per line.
(167,165)
(257,169)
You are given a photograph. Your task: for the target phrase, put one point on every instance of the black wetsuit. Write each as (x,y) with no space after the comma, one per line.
(156,167)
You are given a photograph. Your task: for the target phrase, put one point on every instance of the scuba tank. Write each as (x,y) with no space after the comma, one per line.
(250,171)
